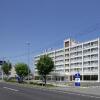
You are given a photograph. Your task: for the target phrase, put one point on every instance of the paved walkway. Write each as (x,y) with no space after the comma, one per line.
(93,90)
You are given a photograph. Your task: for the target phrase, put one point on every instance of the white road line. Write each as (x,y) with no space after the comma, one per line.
(10,89)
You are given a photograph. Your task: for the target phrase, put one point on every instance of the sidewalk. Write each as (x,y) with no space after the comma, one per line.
(85,90)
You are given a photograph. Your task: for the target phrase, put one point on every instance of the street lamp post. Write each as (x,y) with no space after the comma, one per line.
(28,58)
(2,69)
(2,75)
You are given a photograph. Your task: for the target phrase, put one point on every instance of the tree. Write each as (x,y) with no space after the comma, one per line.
(6,67)
(22,70)
(44,66)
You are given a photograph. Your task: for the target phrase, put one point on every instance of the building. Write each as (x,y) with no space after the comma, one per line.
(13,72)
(76,57)
(1,72)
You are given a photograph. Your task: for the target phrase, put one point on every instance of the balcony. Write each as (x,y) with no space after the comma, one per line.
(86,52)
(76,48)
(76,54)
(86,64)
(59,58)
(86,59)
(86,46)
(90,70)
(59,63)
(94,58)
(76,65)
(94,50)
(94,64)
(73,72)
(66,62)
(94,44)
(59,68)
(59,52)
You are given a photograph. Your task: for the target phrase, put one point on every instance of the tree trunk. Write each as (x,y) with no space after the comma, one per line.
(45,79)
(20,79)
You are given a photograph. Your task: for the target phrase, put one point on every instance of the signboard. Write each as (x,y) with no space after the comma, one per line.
(77,79)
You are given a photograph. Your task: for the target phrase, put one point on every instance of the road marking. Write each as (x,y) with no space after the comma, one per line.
(10,89)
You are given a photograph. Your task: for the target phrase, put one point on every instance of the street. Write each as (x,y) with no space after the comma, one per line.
(13,92)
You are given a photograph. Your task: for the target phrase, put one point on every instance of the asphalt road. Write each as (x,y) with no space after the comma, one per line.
(13,92)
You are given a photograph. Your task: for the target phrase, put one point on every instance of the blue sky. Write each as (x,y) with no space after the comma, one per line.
(45,24)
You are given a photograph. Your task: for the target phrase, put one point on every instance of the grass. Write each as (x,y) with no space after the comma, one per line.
(30,84)
(41,84)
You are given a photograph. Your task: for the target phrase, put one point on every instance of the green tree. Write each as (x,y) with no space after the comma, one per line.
(22,70)
(44,66)
(6,67)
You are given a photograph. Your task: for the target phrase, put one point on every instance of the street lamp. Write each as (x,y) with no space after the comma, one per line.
(28,58)
(2,75)
(3,61)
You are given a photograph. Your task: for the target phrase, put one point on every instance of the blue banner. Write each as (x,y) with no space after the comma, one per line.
(77,79)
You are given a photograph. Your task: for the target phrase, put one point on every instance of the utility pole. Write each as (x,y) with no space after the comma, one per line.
(28,58)
(2,75)
(2,70)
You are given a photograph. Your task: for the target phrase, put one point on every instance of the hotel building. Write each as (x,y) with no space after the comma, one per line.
(75,57)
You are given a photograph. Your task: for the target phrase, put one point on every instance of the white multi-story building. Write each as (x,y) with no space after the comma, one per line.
(76,57)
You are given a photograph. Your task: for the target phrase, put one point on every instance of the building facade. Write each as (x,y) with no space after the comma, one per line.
(1,72)
(76,57)
(12,71)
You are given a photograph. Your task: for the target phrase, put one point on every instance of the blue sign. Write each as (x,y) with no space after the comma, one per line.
(77,79)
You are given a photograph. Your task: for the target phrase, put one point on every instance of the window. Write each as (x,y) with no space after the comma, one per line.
(90,77)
